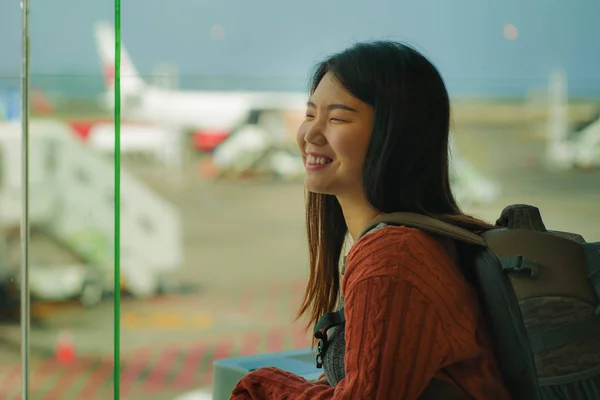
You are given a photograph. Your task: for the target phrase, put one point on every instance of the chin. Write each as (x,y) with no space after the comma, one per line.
(314,186)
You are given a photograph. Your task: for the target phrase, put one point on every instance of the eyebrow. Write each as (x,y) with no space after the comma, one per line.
(335,106)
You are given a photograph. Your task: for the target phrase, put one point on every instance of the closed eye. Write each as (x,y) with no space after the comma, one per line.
(308,115)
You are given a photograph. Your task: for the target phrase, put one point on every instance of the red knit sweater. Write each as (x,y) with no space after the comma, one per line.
(410,316)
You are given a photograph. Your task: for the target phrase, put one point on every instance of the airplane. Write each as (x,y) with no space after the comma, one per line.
(210,114)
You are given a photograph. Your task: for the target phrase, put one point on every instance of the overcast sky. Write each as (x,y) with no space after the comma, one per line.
(467,39)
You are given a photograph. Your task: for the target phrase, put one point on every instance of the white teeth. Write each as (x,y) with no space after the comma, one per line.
(317,160)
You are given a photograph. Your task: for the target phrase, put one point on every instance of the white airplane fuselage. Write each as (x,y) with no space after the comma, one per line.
(221,111)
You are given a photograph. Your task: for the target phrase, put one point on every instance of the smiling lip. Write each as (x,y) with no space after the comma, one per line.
(313,167)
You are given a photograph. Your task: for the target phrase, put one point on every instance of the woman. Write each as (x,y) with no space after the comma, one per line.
(375,140)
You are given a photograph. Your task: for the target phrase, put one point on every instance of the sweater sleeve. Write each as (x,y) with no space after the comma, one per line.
(394,340)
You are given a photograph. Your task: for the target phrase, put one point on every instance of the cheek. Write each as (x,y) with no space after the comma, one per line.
(351,149)
(300,138)
(300,134)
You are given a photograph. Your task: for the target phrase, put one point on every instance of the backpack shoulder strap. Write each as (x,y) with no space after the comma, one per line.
(428,224)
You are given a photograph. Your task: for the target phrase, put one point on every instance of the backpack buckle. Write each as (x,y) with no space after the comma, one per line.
(321,348)
(519,264)
(327,321)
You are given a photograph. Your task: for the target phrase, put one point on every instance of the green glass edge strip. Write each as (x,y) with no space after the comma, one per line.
(117,198)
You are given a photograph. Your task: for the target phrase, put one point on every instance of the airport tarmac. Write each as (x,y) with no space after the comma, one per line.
(246,253)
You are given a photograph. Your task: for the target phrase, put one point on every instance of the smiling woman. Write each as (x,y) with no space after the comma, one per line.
(375,141)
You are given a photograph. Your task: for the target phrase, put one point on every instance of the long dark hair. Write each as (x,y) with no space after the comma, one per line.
(406,166)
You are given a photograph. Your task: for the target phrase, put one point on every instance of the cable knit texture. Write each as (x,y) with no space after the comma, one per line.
(410,316)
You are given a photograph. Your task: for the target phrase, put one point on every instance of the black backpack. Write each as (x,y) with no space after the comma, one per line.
(539,293)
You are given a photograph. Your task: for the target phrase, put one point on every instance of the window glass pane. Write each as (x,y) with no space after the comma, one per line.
(10,200)
(71,216)
(223,252)
(213,252)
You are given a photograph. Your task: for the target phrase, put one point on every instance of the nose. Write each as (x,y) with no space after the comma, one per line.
(314,133)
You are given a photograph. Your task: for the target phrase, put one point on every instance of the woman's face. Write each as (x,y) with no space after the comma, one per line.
(333,139)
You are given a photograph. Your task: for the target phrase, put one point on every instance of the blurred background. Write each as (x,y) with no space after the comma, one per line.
(213,250)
